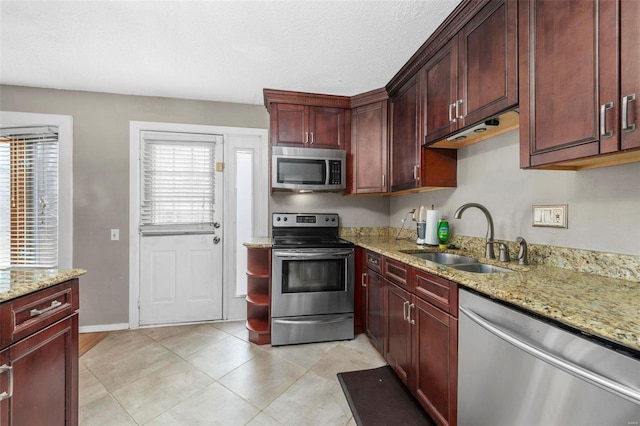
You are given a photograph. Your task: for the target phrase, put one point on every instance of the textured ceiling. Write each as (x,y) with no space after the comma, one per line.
(212,50)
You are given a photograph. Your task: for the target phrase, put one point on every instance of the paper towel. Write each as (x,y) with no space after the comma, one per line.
(431,237)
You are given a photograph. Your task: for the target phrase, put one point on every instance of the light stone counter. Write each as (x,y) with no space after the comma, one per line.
(258,242)
(18,282)
(608,308)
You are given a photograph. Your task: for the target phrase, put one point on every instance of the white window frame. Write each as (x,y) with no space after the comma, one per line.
(64,123)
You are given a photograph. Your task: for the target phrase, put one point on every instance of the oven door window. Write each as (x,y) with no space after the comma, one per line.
(302,171)
(308,276)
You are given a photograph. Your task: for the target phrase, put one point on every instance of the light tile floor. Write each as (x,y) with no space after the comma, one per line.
(210,374)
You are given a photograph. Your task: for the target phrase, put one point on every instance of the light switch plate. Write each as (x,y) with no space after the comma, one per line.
(115,235)
(554,215)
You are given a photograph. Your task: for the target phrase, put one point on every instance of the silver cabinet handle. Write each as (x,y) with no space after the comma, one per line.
(553,359)
(404,311)
(383,176)
(625,113)
(603,120)
(411,321)
(312,142)
(363,281)
(8,393)
(36,312)
(451,119)
(458,115)
(306,137)
(415,172)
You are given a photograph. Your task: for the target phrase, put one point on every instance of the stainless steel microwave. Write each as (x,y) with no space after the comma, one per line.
(308,169)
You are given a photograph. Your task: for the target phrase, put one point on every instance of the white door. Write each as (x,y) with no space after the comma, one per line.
(180,228)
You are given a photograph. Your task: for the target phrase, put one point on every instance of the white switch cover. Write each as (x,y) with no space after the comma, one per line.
(554,216)
(115,234)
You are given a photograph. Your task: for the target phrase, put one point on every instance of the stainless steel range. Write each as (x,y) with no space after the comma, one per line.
(312,280)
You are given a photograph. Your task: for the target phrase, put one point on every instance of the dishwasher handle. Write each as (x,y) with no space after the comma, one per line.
(555,360)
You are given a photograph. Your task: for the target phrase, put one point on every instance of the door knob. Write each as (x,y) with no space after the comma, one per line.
(216,225)
(216,239)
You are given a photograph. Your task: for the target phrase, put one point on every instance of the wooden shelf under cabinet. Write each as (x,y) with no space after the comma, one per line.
(259,295)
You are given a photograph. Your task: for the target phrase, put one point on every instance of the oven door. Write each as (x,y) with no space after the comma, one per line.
(312,281)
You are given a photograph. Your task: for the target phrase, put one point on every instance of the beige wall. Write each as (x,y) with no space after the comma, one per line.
(101,177)
(604,203)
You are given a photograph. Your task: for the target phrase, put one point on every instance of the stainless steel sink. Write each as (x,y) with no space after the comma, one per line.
(480,268)
(444,258)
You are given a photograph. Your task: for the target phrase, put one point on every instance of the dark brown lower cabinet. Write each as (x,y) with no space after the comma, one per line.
(374,309)
(40,357)
(45,377)
(435,361)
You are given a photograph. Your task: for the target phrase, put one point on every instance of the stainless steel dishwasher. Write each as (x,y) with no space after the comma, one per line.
(517,370)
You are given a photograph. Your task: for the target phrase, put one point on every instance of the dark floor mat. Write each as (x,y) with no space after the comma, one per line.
(378,397)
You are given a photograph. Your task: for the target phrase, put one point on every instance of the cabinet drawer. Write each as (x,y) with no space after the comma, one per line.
(438,291)
(28,314)
(396,272)
(374,261)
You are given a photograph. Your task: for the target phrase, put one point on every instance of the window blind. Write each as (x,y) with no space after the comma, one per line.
(178,183)
(33,197)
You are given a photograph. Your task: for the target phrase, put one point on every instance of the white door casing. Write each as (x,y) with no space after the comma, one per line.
(233,306)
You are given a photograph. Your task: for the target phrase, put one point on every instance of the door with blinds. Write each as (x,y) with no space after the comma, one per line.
(180,228)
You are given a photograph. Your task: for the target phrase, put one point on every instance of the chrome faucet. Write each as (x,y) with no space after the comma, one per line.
(488,253)
(522,252)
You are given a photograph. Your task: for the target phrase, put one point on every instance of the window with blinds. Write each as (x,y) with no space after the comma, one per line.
(178,182)
(29,161)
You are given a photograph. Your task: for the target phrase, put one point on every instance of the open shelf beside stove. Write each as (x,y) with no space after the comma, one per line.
(259,295)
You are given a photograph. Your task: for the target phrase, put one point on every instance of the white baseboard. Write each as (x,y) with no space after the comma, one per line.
(103,327)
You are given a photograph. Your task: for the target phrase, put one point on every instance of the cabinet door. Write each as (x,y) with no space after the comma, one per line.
(4,387)
(45,376)
(440,92)
(369,148)
(289,124)
(558,80)
(398,353)
(327,127)
(359,293)
(375,310)
(487,71)
(435,360)
(405,137)
(630,71)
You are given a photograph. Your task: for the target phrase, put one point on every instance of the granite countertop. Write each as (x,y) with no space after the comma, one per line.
(18,282)
(607,308)
(258,242)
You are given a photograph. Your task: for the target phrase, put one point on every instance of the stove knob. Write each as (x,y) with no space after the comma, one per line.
(333,219)
(285,219)
(277,218)
(326,219)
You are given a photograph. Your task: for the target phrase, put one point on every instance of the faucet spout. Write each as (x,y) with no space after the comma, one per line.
(489,253)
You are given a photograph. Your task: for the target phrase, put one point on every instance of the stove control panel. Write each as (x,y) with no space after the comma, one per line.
(305,220)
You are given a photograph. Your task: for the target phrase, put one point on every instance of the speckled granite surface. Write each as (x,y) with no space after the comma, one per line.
(16,283)
(258,242)
(602,306)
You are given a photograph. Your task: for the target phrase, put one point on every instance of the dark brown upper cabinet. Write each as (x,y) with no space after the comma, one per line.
(579,83)
(474,76)
(308,120)
(405,137)
(368,161)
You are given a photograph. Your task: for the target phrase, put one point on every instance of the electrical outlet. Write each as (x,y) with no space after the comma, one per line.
(554,216)
(115,234)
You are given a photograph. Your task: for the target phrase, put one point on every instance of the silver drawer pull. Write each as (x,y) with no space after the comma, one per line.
(603,120)
(36,312)
(7,394)
(625,113)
